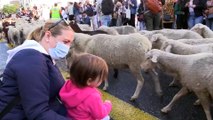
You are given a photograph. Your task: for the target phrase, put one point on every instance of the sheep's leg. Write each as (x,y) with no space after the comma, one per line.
(115,75)
(197,102)
(106,85)
(154,75)
(140,81)
(173,83)
(205,102)
(183,91)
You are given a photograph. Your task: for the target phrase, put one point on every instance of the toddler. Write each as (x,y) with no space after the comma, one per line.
(80,94)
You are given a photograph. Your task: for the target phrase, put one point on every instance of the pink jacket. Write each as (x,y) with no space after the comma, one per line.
(84,103)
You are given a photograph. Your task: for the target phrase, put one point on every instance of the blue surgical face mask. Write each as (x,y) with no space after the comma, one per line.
(60,51)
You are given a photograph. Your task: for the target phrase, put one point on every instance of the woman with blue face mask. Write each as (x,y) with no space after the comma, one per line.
(31,78)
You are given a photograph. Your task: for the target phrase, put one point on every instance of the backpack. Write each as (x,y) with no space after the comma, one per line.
(107,7)
(153,6)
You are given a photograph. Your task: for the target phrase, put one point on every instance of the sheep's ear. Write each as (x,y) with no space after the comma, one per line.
(154,38)
(164,45)
(168,48)
(154,59)
(201,26)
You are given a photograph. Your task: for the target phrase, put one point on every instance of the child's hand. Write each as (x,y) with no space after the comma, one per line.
(107,101)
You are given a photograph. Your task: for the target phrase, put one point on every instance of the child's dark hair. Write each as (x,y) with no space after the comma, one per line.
(87,66)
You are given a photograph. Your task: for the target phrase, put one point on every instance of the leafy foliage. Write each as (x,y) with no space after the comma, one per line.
(10,8)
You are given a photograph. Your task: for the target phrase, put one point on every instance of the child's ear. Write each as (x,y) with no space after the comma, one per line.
(89,81)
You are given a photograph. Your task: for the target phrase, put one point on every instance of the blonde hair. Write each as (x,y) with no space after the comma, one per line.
(39,32)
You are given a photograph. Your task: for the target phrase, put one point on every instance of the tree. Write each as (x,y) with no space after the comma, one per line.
(10,8)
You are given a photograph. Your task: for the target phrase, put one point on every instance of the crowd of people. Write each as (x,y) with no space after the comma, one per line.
(122,12)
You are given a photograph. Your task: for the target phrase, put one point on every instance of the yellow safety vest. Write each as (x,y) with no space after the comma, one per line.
(55,13)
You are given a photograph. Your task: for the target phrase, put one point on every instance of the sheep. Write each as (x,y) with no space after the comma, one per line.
(174,46)
(158,39)
(5,24)
(85,27)
(119,51)
(109,30)
(25,28)
(196,41)
(161,42)
(14,35)
(185,49)
(203,30)
(193,72)
(173,34)
(125,29)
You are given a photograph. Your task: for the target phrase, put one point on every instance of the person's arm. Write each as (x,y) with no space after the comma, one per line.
(98,108)
(33,84)
(133,4)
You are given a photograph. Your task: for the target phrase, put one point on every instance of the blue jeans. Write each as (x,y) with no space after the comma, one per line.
(142,25)
(192,20)
(105,20)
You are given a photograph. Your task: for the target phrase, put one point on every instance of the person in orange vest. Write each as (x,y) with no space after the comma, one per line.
(55,12)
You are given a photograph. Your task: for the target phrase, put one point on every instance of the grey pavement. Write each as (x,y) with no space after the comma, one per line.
(3,55)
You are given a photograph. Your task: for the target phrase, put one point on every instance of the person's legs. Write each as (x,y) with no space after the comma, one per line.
(178,22)
(184,20)
(208,23)
(211,24)
(71,17)
(148,20)
(198,19)
(132,20)
(191,21)
(105,20)
(109,18)
(95,22)
(156,21)
(142,25)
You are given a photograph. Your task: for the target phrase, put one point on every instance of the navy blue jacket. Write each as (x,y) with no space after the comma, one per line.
(34,77)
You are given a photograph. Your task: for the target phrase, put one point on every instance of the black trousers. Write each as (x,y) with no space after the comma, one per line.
(71,17)
(181,22)
(130,21)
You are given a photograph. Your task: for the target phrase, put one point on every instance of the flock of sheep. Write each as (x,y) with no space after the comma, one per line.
(18,33)
(184,54)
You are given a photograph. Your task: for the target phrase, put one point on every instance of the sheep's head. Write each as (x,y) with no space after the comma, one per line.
(198,28)
(78,46)
(166,46)
(80,41)
(156,40)
(151,58)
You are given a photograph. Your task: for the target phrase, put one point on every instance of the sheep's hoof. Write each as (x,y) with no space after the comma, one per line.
(172,84)
(160,94)
(197,102)
(165,110)
(104,88)
(133,98)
